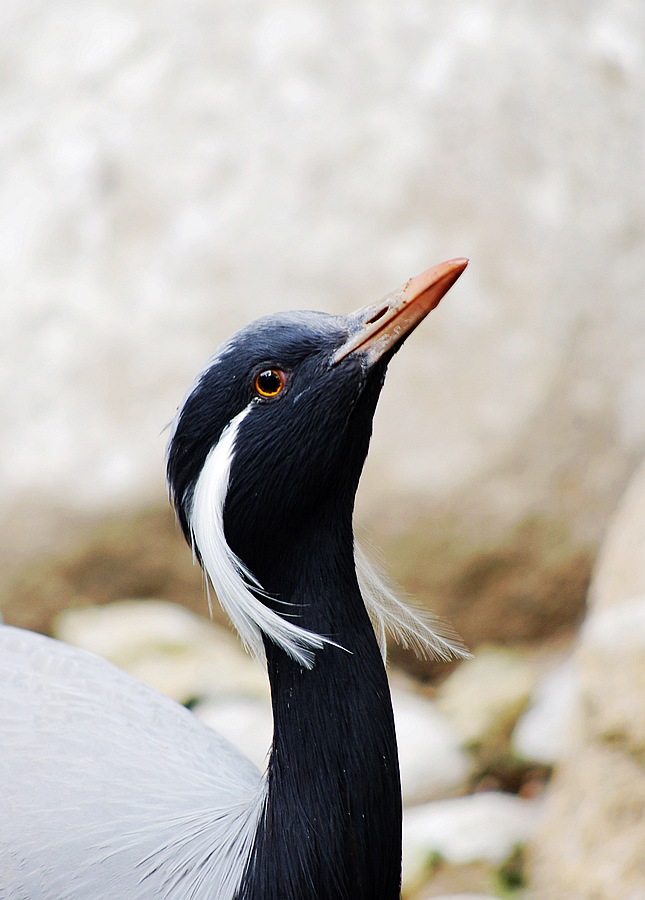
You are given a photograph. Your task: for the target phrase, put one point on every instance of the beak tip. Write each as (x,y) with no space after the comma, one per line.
(457,265)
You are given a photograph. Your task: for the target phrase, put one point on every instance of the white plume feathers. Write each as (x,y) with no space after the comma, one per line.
(232,581)
(228,574)
(415,628)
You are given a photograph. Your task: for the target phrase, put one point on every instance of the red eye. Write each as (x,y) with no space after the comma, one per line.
(269,383)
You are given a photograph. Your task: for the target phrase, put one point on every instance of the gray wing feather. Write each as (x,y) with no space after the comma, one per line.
(108,789)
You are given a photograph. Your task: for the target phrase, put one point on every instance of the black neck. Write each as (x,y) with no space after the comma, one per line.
(332,824)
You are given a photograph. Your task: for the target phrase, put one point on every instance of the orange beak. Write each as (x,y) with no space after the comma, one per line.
(383,326)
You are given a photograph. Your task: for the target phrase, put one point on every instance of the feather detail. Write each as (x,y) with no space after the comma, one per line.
(233,583)
(427,635)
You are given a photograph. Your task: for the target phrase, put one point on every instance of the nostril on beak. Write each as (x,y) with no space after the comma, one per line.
(377,315)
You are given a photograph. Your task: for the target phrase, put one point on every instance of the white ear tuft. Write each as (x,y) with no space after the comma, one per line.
(228,574)
(415,628)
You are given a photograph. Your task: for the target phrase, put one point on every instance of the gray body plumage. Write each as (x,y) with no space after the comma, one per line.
(110,790)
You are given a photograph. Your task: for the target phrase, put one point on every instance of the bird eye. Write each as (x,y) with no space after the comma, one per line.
(269,383)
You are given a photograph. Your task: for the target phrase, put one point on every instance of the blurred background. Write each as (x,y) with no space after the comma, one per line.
(171,171)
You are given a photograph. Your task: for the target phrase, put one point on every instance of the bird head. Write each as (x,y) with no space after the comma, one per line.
(271,439)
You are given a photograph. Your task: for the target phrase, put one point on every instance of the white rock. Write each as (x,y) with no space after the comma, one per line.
(167,647)
(543,731)
(458,897)
(247,723)
(432,762)
(485,695)
(482,827)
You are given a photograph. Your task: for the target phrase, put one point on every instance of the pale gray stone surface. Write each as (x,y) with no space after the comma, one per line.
(459,897)
(169,648)
(482,827)
(543,732)
(433,763)
(171,170)
(483,698)
(592,838)
(244,721)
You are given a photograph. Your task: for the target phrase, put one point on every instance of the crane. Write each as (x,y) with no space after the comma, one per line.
(108,789)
